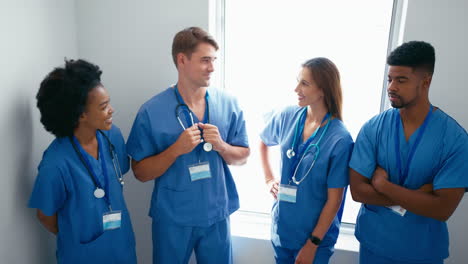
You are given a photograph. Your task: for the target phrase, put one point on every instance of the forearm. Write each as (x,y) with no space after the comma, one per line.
(421,203)
(155,166)
(367,194)
(265,159)
(327,215)
(362,191)
(234,155)
(49,222)
(329,211)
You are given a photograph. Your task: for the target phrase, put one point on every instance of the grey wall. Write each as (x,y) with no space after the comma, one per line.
(35,36)
(443,23)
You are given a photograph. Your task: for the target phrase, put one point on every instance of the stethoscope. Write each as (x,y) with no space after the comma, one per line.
(99,191)
(182,107)
(290,152)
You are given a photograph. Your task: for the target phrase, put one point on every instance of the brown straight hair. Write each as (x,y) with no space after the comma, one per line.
(187,40)
(327,77)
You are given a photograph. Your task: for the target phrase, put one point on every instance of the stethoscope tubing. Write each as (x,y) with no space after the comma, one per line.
(316,145)
(113,154)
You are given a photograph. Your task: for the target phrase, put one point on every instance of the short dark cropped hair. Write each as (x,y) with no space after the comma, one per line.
(187,40)
(414,54)
(63,95)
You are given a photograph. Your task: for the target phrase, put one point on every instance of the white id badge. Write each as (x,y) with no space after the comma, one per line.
(287,193)
(112,220)
(398,210)
(200,171)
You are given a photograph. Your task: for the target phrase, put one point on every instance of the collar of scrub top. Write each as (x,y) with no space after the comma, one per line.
(403,172)
(85,161)
(189,117)
(302,151)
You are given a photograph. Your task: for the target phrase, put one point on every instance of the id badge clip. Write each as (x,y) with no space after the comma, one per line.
(200,171)
(397,209)
(287,193)
(111,220)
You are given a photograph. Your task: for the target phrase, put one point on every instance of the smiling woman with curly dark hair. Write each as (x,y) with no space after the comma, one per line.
(78,189)
(63,93)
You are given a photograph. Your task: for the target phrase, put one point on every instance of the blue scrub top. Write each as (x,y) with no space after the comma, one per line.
(175,197)
(64,187)
(441,158)
(294,222)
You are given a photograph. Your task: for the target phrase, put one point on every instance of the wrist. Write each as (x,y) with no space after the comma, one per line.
(174,151)
(269,180)
(383,186)
(314,240)
(222,147)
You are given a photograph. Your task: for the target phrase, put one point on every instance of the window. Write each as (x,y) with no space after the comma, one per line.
(265,43)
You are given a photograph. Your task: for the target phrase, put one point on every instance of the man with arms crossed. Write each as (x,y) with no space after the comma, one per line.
(409,168)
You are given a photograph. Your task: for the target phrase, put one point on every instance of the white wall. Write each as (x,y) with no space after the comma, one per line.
(35,37)
(443,24)
(131,41)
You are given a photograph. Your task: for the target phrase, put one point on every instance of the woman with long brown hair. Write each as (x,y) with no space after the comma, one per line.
(315,150)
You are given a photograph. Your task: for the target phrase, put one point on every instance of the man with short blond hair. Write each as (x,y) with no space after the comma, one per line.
(183,139)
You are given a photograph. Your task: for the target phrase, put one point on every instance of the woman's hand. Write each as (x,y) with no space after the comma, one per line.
(273,187)
(307,253)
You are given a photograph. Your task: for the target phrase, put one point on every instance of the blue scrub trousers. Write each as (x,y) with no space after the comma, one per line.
(288,256)
(173,244)
(368,257)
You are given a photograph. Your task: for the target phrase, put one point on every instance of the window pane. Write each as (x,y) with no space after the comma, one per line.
(265,44)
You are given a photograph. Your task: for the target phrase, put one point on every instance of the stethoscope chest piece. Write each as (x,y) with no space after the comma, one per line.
(99,193)
(290,153)
(207,147)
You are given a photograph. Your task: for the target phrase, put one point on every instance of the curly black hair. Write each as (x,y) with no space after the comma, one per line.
(63,95)
(414,54)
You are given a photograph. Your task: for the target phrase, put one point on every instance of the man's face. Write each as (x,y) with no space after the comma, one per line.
(406,86)
(198,68)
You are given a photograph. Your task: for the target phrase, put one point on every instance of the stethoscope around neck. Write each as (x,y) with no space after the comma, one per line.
(181,107)
(290,153)
(99,191)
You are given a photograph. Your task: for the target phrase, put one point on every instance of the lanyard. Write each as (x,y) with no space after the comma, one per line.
(82,155)
(308,145)
(402,175)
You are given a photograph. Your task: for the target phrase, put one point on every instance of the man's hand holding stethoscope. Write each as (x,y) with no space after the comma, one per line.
(188,140)
(211,135)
